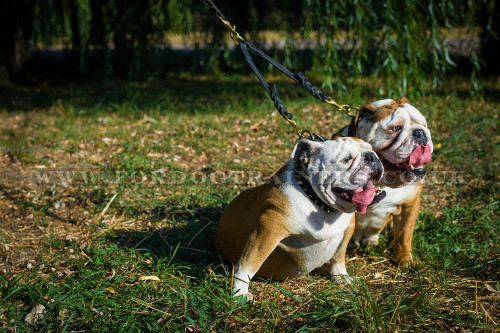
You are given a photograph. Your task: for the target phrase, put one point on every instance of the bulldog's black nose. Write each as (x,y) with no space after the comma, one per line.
(370,156)
(373,162)
(420,136)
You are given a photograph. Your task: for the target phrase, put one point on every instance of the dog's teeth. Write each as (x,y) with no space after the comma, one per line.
(412,167)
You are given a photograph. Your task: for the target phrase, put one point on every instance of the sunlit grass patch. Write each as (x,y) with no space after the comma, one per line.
(120,235)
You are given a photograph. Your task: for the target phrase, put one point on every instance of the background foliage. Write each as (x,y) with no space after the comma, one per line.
(404,43)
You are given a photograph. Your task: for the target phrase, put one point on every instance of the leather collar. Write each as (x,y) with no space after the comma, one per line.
(299,172)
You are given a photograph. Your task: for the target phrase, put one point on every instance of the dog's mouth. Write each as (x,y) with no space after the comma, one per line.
(401,168)
(420,156)
(363,197)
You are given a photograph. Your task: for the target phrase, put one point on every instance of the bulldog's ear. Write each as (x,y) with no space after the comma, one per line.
(401,101)
(306,149)
(364,111)
(367,108)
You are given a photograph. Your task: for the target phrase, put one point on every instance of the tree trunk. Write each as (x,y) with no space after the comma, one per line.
(13,38)
(490,37)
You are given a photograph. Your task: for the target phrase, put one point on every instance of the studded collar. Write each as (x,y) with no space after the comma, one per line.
(299,172)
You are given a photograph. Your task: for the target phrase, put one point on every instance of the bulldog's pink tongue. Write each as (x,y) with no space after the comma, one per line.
(364,196)
(420,156)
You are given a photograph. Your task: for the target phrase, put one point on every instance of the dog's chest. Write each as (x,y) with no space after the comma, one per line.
(309,220)
(310,252)
(316,234)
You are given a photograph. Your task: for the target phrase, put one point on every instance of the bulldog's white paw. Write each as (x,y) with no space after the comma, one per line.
(340,274)
(343,279)
(247,297)
(370,241)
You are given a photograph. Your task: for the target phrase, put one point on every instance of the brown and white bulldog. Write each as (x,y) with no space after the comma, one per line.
(399,135)
(303,219)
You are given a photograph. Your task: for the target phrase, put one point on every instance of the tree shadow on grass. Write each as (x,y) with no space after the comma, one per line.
(180,94)
(188,241)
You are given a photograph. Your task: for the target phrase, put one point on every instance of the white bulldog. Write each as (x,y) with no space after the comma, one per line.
(399,135)
(303,219)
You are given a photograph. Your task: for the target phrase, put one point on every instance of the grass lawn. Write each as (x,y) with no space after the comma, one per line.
(110,195)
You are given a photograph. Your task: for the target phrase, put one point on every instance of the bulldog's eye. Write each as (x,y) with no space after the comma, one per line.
(397,128)
(347,159)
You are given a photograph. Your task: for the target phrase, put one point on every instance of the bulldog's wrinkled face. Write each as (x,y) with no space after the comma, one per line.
(398,133)
(342,172)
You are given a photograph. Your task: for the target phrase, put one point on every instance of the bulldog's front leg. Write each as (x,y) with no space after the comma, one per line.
(337,263)
(404,224)
(260,245)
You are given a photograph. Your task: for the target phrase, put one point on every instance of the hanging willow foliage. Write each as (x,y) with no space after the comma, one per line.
(400,42)
(403,44)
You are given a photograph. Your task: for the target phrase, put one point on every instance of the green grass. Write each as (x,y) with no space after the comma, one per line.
(67,245)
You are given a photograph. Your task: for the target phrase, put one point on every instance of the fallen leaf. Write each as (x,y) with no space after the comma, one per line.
(35,315)
(490,288)
(110,290)
(148,278)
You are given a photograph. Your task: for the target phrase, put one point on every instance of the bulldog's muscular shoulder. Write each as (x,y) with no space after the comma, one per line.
(262,207)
